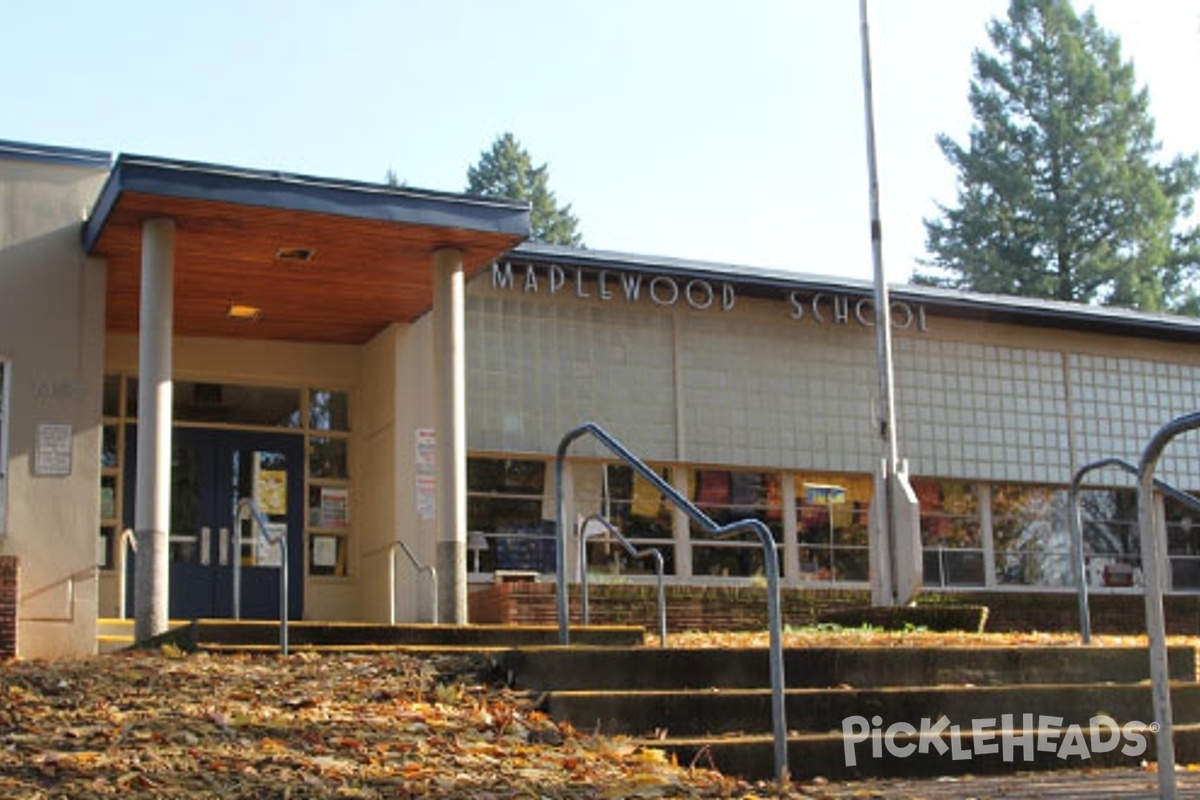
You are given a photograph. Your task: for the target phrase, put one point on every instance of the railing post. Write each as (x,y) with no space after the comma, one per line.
(246,506)
(283,594)
(633,552)
(1152,570)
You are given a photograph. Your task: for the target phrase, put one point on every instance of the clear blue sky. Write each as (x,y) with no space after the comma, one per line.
(730,131)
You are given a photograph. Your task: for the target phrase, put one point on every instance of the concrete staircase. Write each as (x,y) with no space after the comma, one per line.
(871,712)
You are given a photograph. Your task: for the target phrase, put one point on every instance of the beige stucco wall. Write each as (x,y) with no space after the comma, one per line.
(397,402)
(52,334)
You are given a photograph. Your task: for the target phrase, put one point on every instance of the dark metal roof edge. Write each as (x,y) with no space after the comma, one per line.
(28,151)
(989,307)
(608,259)
(198,181)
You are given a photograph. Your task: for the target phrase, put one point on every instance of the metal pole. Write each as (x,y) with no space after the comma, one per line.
(1153,558)
(283,594)
(1079,565)
(242,508)
(883,318)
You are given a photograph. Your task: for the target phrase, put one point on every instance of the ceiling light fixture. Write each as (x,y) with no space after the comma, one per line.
(295,254)
(240,312)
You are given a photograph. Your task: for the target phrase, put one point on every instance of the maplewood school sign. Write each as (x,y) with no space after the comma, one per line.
(604,285)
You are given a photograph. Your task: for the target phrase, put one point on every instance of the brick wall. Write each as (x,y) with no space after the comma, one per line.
(744,608)
(8,607)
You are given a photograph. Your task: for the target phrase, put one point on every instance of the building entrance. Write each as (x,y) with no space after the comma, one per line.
(211,472)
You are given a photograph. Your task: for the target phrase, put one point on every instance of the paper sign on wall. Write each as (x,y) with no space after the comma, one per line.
(52,455)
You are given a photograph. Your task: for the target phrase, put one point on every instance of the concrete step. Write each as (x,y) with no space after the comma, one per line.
(617,668)
(254,635)
(713,712)
(990,751)
(114,634)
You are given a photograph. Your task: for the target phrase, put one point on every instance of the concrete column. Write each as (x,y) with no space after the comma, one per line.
(450,384)
(681,524)
(152,507)
(791,529)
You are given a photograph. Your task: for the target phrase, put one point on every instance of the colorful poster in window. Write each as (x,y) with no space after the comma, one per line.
(335,507)
(270,488)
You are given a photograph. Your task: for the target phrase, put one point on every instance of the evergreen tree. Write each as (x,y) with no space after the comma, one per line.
(507,171)
(1059,193)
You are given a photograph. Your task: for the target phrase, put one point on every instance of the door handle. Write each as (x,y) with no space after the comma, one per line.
(205,542)
(223,547)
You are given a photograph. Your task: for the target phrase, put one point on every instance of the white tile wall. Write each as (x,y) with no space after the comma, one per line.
(536,369)
(981,411)
(1119,403)
(760,389)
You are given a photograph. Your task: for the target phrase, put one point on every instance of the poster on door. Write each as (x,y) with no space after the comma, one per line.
(270,488)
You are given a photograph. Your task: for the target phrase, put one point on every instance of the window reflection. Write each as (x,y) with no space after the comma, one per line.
(328,411)
(951,532)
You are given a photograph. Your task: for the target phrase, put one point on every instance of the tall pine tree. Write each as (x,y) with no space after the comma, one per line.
(1060,195)
(507,171)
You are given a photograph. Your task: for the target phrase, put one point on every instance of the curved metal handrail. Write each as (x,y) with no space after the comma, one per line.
(247,505)
(631,549)
(770,566)
(1075,519)
(1156,628)
(420,567)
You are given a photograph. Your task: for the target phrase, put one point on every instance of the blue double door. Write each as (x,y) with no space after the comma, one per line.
(212,471)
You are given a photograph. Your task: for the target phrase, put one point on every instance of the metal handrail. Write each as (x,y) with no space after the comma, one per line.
(391,548)
(245,505)
(1156,627)
(770,566)
(649,552)
(126,538)
(1075,519)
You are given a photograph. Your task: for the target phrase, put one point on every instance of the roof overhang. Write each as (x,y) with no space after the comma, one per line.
(322,260)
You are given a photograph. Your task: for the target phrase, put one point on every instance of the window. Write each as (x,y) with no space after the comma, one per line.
(329,495)
(4,375)
(1111,541)
(831,526)
(726,497)
(951,532)
(1183,545)
(504,516)
(639,512)
(1031,535)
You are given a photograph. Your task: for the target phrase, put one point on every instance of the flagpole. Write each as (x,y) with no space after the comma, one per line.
(883,321)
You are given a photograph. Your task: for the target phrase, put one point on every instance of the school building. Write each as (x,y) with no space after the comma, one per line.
(369,365)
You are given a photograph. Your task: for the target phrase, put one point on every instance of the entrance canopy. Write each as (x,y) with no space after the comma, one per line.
(305,259)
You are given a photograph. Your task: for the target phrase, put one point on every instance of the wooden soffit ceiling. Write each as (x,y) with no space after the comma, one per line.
(323,261)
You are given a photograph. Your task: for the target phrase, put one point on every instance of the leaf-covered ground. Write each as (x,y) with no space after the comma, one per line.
(394,726)
(168,725)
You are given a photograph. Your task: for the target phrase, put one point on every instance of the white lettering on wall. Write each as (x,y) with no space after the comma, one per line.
(699,294)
